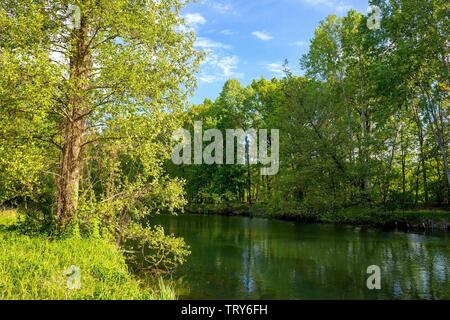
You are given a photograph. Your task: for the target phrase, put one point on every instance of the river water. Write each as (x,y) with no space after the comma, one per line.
(243,258)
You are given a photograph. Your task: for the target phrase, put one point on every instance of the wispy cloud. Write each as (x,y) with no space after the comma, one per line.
(276,68)
(228,65)
(261,35)
(194,19)
(205,43)
(221,7)
(218,6)
(219,67)
(219,64)
(300,43)
(226,32)
(337,6)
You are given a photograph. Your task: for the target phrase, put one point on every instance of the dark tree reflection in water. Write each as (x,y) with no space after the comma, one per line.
(241,258)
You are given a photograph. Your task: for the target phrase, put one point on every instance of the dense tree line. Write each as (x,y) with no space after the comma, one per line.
(368,124)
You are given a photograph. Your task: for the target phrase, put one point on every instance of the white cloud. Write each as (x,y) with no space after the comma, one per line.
(276,68)
(300,43)
(261,35)
(219,65)
(337,6)
(208,78)
(194,19)
(228,65)
(220,7)
(226,32)
(205,43)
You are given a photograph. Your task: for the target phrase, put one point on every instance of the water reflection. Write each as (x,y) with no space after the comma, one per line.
(240,258)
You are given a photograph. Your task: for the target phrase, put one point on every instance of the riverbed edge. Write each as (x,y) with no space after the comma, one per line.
(405,220)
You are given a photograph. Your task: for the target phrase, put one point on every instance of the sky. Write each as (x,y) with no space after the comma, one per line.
(250,39)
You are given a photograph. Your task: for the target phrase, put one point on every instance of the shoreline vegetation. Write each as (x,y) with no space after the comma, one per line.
(405,220)
(34,267)
(84,138)
(88,113)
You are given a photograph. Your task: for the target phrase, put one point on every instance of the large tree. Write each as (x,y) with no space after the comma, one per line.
(95,71)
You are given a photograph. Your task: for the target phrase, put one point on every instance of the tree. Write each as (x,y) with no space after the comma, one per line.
(108,66)
(416,34)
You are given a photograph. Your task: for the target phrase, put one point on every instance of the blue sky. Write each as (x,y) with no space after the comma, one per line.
(248,39)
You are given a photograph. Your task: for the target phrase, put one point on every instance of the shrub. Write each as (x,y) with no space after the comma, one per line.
(154,251)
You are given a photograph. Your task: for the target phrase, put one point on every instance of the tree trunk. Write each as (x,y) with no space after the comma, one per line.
(74,128)
(416,202)
(424,168)
(69,177)
(437,124)
(439,133)
(365,132)
(445,157)
(249,170)
(422,152)
(364,151)
(403,168)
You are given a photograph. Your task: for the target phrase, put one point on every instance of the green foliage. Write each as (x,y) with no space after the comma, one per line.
(121,78)
(367,125)
(153,250)
(237,107)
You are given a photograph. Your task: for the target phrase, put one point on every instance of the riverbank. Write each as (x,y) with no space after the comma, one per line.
(38,268)
(374,217)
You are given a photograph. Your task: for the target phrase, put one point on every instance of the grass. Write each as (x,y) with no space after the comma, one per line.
(33,268)
(7,218)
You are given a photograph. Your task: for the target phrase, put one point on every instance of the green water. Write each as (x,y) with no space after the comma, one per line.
(241,258)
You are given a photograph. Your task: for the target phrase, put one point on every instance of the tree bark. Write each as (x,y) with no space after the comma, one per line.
(69,177)
(74,128)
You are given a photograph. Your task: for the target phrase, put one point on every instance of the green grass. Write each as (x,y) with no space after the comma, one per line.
(33,268)
(7,218)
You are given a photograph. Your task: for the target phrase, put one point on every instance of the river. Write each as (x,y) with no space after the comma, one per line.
(243,258)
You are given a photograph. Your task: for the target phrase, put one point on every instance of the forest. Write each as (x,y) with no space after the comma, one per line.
(367,125)
(89,105)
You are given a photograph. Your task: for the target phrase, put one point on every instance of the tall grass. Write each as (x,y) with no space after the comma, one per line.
(33,268)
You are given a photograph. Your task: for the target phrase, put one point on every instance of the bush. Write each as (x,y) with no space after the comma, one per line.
(154,251)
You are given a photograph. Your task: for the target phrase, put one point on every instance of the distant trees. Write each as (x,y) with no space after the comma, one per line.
(367,125)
